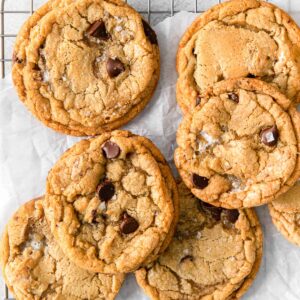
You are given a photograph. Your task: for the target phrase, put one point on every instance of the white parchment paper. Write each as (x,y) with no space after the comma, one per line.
(28,150)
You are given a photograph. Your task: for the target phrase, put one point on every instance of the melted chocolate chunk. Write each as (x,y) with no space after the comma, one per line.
(269,136)
(114,67)
(234,97)
(200,182)
(229,217)
(111,149)
(150,33)
(106,190)
(128,224)
(98,30)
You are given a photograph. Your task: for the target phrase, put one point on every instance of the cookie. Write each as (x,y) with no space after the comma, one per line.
(285,213)
(109,203)
(215,254)
(239,39)
(35,267)
(86,67)
(240,147)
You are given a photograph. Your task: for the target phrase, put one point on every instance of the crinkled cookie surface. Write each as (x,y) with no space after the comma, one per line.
(215,254)
(285,213)
(240,146)
(87,66)
(35,267)
(239,39)
(108,203)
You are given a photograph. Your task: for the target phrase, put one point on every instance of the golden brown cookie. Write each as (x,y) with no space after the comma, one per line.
(239,38)
(240,147)
(34,267)
(109,202)
(285,213)
(87,66)
(215,254)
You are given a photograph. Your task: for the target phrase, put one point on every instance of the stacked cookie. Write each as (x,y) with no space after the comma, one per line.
(111,206)
(85,67)
(238,85)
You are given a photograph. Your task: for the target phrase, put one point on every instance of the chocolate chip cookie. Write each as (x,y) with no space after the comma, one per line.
(35,267)
(84,67)
(240,148)
(285,213)
(215,254)
(239,39)
(110,203)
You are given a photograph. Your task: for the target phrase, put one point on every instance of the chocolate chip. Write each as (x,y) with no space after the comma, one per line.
(198,100)
(15,59)
(187,257)
(215,212)
(114,67)
(36,67)
(111,149)
(199,181)
(229,217)
(150,33)
(98,30)
(234,97)
(128,224)
(105,190)
(251,76)
(269,136)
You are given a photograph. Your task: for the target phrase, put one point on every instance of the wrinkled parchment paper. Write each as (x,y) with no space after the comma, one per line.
(28,150)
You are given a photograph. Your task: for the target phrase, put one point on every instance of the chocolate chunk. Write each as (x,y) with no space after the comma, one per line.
(15,59)
(150,33)
(111,149)
(187,257)
(114,67)
(215,212)
(229,217)
(105,190)
(251,76)
(98,30)
(128,224)
(269,136)
(200,182)
(36,67)
(234,97)
(198,100)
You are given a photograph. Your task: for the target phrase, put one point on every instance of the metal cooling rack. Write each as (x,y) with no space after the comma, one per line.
(151,14)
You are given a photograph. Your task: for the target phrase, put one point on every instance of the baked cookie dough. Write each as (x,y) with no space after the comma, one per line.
(240,148)
(109,203)
(215,254)
(239,39)
(86,66)
(285,213)
(34,267)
